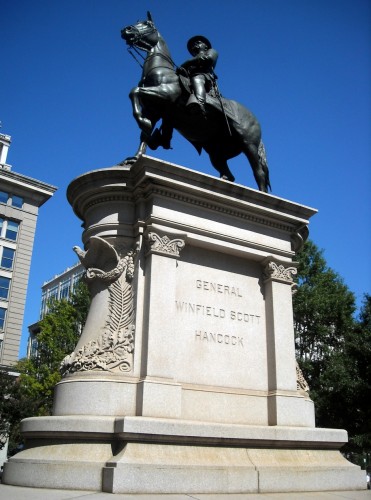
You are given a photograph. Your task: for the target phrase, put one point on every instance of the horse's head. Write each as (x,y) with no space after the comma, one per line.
(142,35)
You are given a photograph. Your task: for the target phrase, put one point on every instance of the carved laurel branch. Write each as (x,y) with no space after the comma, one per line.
(165,245)
(301,383)
(114,347)
(4,434)
(272,270)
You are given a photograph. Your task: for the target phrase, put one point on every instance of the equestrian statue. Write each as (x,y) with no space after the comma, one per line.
(187,99)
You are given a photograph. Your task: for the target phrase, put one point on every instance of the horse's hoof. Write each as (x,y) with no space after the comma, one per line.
(226,178)
(128,161)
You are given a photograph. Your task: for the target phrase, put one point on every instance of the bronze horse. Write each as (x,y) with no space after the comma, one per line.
(163,94)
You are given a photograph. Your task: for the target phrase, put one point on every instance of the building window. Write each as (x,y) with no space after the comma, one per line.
(77,278)
(2,317)
(52,297)
(7,257)
(14,200)
(17,201)
(12,230)
(64,291)
(9,229)
(53,293)
(4,287)
(48,297)
(33,348)
(43,306)
(4,197)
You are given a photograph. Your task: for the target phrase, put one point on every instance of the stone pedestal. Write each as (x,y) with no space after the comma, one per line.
(184,379)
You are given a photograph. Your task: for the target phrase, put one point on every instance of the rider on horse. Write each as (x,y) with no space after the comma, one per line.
(200,69)
(160,95)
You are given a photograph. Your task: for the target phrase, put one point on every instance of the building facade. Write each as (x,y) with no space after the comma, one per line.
(60,287)
(20,200)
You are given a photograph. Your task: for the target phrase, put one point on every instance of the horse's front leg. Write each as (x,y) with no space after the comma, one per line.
(144,123)
(142,146)
(130,160)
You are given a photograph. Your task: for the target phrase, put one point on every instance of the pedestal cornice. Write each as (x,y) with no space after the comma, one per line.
(151,177)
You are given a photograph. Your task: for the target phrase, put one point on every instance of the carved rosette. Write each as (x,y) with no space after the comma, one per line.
(113,349)
(301,383)
(279,272)
(164,245)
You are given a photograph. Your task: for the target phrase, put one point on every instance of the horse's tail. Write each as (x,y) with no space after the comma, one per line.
(264,164)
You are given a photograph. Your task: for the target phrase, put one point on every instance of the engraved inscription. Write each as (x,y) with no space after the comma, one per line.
(215,312)
(245,317)
(218,288)
(219,338)
(200,309)
(234,318)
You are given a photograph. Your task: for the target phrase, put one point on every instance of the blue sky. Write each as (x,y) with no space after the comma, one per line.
(302,66)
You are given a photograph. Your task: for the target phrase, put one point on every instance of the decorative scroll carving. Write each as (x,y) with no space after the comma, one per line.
(299,238)
(163,244)
(278,271)
(301,383)
(113,349)
(102,260)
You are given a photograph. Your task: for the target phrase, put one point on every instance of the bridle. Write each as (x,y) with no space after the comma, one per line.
(137,43)
(136,36)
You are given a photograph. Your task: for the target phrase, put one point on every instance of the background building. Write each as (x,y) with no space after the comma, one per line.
(20,199)
(59,287)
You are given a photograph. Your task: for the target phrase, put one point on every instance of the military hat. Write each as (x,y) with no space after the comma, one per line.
(198,38)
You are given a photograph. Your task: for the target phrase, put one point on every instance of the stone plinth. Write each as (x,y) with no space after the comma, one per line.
(184,379)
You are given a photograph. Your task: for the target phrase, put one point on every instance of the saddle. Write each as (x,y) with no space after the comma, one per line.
(184,80)
(213,97)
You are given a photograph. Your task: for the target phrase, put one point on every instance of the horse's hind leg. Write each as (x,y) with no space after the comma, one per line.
(259,169)
(221,165)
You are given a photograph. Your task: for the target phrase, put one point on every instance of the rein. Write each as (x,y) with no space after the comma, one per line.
(133,56)
(146,47)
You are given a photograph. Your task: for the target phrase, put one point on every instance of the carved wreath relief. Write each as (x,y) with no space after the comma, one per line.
(113,349)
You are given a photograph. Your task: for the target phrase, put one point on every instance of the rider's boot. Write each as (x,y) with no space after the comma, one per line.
(196,105)
(161,137)
(167,134)
(155,140)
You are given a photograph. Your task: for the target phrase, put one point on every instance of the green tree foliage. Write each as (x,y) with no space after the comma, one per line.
(346,394)
(81,302)
(31,393)
(14,406)
(333,349)
(58,335)
(323,310)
